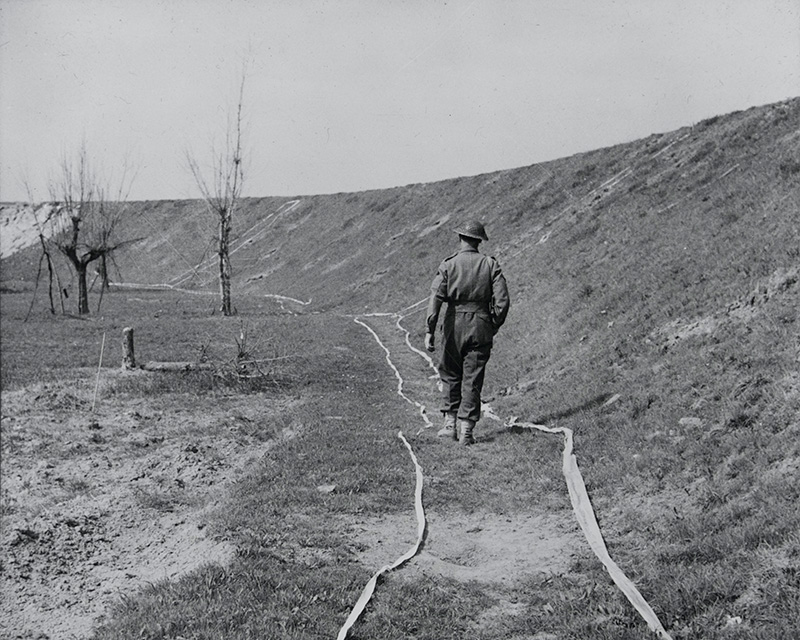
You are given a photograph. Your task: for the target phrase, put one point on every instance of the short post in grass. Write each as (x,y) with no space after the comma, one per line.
(128,359)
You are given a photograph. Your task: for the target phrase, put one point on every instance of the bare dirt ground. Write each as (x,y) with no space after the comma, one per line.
(498,551)
(99,504)
(483,547)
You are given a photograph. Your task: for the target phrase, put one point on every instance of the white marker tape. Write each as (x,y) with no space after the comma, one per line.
(579,497)
(275,296)
(419,352)
(584,513)
(421,407)
(582,506)
(369,589)
(160,287)
(416,304)
(411,346)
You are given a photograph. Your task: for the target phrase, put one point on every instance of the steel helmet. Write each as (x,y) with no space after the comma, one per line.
(472,229)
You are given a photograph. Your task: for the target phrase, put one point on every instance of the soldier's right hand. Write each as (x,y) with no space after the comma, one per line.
(429,342)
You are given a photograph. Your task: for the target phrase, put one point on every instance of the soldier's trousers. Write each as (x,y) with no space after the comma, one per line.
(467,346)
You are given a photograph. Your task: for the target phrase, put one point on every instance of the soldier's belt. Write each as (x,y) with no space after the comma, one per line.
(469,307)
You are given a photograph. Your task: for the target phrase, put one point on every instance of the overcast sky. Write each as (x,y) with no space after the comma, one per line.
(360,94)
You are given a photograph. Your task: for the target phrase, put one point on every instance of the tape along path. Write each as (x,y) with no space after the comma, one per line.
(369,589)
(419,387)
(582,506)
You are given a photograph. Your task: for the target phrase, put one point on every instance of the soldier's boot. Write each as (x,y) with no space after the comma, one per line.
(448,430)
(466,427)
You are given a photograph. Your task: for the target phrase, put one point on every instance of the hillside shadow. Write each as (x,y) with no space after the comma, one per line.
(594,403)
(597,401)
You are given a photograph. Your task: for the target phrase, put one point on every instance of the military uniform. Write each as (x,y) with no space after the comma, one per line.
(474,288)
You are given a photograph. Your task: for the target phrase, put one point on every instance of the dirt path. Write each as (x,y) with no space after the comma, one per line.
(526,544)
(476,547)
(98,505)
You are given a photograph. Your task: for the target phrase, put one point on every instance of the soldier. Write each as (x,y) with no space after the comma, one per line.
(475,291)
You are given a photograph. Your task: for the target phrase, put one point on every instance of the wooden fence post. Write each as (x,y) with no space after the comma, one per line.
(128,359)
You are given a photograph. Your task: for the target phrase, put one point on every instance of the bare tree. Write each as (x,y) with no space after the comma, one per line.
(91,218)
(53,280)
(221,193)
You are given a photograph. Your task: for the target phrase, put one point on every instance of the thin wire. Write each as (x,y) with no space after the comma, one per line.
(99,364)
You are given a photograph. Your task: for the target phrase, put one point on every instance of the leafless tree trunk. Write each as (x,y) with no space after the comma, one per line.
(222,194)
(103,271)
(53,274)
(93,219)
(53,279)
(225,265)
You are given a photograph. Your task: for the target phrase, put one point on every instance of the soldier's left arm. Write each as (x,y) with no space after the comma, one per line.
(501,302)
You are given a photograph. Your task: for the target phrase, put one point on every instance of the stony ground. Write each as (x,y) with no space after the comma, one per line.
(98,504)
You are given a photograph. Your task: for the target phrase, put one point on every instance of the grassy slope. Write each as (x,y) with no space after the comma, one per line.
(664,270)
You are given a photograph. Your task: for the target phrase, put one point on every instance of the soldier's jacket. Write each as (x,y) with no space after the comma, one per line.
(470,282)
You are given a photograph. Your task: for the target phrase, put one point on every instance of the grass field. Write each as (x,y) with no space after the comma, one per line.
(655,304)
